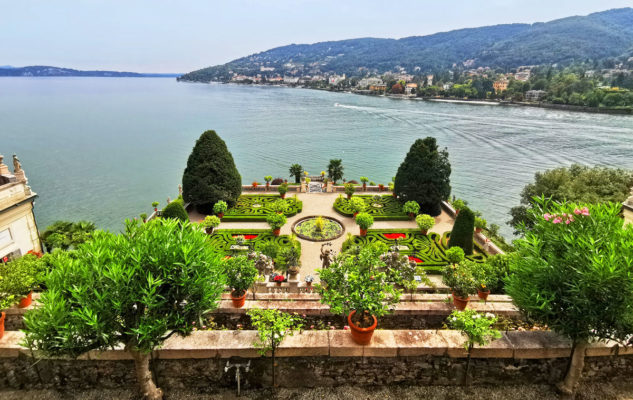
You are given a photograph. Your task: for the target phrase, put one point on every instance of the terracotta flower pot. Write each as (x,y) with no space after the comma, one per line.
(276,231)
(238,302)
(412,216)
(364,187)
(308,284)
(360,335)
(355,214)
(483,294)
(394,195)
(425,231)
(349,196)
(2,315)
(363,232)
(26,301)
(278,283)
(220,215)
(283,196)
(478,230)
(209,230)
(460,302)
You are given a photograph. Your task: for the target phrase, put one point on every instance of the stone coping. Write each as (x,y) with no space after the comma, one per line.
(338,343)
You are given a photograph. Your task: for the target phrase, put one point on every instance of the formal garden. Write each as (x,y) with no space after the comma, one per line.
(170,301)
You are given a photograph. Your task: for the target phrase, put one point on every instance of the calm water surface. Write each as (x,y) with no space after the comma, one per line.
(104,148)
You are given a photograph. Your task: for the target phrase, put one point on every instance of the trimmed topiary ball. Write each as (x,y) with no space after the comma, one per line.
(175,210)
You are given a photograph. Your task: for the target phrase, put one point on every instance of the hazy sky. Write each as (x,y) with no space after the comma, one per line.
(180,36)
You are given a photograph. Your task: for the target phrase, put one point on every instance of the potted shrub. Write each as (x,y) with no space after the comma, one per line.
(279,279)
(309,279)
(455,255)
(349,190)
(412,208)
(485,278)
(283,189)
(279,206)
(276,221)
(19,277)
(210,222)
(480,224)
(240,275)
(358,286)
(364,221)
(357,205)
(381,187)
(155,205)
(425,222)
(391,189)
(458,205)
(460,279)
(143,217)
(220,208)
(268,178)
(255,184)
(364,180)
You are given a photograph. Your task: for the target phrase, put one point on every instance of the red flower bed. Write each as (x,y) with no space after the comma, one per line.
(394,236)
(417,260)
(247,237)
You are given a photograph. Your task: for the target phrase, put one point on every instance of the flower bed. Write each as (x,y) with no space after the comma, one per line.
(224,239)
(386,208)
(427,250)
(306,228)
(257,207)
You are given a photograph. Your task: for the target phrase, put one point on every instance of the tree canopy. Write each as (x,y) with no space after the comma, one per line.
(424,176)
(210,174)
(335,170)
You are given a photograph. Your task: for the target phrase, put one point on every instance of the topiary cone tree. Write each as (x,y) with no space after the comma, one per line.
(424,176)
(573,273)
(463,230)
(136,289)
(211,174)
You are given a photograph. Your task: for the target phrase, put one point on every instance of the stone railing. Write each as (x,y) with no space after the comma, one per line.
(318,358)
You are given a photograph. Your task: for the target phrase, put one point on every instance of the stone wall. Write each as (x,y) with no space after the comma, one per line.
(318,359)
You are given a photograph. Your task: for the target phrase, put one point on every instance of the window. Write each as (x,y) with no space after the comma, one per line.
(5,238)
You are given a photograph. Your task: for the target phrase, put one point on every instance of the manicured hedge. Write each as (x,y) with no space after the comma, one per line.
(244,210)
(391,209)
(223,239)
(430,249)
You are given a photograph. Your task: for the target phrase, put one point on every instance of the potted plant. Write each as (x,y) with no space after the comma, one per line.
(276,221)
(240,275)
(220,208)
(279,279)
(357,205)
(210,222)
(364,221)
(279,206)
(358,286)
(155,205)
(480,224)
(268,178)
(19,277)
(425,222)
(458,205)
(323,175)
(455,255)
(308,180)
(283,189)
(255,184)
(391,189)
(349,190)
(412,208)
(309,279)
(143,217)
(364,180)
(291,257)
(460,279)
(381,187)
(483,276)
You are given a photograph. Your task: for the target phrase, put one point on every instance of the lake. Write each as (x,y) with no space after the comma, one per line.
(103,149)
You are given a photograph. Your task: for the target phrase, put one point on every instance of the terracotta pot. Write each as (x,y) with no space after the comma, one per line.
(483,294)
(155,209)
(220,215)
(278,283)
(360,335)
(283,196)
(456,212)
(2,315)
(308,284)
(209,230)
(276,231)
(394,195)
(355,214)
(412,216)
(460,302)
(238,302)
(349,196)
(425,231)
(267,186)
(26,301)
(478,230)
(363,232)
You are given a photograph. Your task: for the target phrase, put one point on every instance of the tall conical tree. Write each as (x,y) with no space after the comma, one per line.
(463,230)
(424,176)
(211,174)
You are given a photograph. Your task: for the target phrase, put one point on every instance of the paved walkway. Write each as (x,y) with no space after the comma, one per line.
(322,204)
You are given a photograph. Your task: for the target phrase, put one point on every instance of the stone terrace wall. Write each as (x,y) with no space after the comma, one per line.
(318,358)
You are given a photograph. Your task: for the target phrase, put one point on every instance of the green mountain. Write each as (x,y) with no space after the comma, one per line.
(38,70)
(595,37)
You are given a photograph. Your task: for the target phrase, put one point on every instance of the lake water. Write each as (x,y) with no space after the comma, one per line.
(103,149)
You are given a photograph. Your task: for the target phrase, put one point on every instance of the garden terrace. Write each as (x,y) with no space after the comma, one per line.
(387,208)
(427,250)
(256,207)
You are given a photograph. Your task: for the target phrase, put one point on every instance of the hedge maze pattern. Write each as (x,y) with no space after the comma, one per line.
(247,208)
(391,208)
(224,239)
(429,249)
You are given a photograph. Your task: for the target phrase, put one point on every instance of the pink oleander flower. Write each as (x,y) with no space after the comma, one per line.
(547,216)
(557,220)
(567,222)
(332,328)
(345,327)
(585,211)
(311,326)
(577,211)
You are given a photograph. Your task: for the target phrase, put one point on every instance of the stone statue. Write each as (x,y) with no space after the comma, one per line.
(1,159)
(17,167)
(179,189)
(326,255)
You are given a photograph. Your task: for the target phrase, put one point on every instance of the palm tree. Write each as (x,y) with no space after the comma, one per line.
(296,170)
(335,170)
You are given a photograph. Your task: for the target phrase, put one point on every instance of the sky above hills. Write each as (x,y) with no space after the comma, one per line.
(180,36)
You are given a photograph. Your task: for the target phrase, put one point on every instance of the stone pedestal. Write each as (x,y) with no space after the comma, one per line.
(330,187)
(20,176)
(303,187)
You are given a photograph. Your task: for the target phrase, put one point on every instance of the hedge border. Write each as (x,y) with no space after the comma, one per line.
(293,209)
(378,216)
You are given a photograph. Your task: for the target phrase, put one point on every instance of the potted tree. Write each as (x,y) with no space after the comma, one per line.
(268,178)
(283,189)
(480,224)
(458,205)
(210,222)
(240,275)
(484,276)
(357,205)
(425,222)
(220,208)
(309,279)
(460,279)
(412,208)
(364,221)
(155,205)
(358,286)
(349,190)
(143,217)
(276,221)
(381,187)
(391,189)
(364,180)
(279,206)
